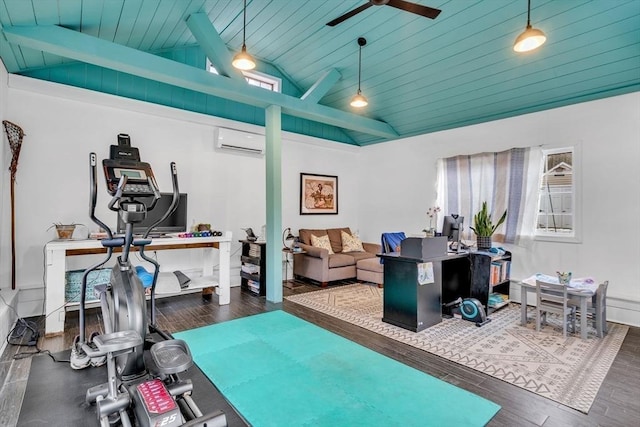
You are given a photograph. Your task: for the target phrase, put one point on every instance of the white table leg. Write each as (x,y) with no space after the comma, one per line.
(583,317)
(523,305)
(224,279)
(55,267)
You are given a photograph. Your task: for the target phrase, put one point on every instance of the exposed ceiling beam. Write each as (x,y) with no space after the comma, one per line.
(322,86)
(81,47)
(213,46)
(8,58)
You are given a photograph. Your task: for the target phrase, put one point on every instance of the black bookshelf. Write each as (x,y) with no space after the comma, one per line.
(254,254)
(490,273)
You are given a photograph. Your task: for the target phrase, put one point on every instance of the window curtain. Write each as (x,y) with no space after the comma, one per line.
(506,181)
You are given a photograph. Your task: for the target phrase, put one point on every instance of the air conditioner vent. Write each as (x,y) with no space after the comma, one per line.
(240,141)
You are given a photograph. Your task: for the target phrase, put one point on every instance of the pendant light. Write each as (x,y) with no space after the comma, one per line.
(243,61)
(531,38)
(359,101)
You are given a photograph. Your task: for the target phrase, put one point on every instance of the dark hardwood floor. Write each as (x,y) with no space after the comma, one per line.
(617,402)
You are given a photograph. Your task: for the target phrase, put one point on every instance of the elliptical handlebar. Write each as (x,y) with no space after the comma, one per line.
(93,197)
(156,192)
(116,197)
(174,204)
(174,201)
(93,190)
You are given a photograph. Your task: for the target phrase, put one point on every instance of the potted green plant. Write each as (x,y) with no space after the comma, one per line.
(64,231)
(483,226)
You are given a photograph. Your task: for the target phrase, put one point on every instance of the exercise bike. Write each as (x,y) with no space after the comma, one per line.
(143,386)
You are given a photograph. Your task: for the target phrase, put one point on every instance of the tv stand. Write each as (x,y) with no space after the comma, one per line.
(56,252)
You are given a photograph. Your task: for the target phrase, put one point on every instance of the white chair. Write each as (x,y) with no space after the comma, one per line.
(552,298)
(596,309)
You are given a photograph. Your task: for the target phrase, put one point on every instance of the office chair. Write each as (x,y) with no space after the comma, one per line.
(390,242)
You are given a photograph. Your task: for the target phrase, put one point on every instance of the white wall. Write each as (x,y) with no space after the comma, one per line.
(327,158)
(227,190)
(398,186)
(9,297)
(5,210)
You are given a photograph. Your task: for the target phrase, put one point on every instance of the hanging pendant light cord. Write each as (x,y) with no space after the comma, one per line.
(528,13)
(244,25)
(359,67)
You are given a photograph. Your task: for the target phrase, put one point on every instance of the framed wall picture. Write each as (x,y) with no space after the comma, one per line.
(318,194)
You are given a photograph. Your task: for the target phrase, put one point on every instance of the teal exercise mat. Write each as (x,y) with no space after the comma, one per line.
(279,370)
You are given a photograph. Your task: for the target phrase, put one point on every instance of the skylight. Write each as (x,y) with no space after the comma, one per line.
(255,78)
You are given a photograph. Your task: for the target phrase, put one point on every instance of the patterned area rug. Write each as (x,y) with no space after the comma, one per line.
(569,371)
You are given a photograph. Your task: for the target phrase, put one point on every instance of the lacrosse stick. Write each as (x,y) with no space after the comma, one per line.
(14,135)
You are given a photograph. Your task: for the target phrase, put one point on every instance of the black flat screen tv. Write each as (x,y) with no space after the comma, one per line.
(175,223)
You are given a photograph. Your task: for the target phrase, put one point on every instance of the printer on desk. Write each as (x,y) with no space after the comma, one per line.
(424,248)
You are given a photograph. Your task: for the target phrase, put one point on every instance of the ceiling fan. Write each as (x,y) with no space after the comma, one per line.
(418,9)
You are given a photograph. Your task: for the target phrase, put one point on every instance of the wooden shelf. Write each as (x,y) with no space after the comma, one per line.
(196,284)
(249,276)
(57,252)
(505,301)
(250,259)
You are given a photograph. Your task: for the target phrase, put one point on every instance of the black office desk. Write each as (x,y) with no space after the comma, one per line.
(413,304)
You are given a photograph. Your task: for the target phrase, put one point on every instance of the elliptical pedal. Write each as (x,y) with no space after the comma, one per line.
(117,342)
(171,356)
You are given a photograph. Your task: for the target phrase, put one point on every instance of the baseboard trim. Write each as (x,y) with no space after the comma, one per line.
(8,317)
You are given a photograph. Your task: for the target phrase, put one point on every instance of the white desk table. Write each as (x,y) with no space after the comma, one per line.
(582,293)
(56,252)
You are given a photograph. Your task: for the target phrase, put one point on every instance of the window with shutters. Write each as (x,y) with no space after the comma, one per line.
(557,196)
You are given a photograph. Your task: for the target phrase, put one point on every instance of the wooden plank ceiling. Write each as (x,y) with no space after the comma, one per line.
(420,75)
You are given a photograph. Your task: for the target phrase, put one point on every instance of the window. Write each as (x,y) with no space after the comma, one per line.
(255,78)
(505,180)
(262,80)
(556,214)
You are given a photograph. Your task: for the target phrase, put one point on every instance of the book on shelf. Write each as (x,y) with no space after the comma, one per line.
(254,250)
(499,271)
(250,268)
(497,299)
(253,286)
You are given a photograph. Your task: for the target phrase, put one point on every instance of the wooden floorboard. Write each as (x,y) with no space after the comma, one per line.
(616,404)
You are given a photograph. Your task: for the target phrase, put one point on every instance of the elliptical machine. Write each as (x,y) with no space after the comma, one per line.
(143,391)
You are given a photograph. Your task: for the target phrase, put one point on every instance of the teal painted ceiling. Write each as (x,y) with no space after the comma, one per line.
(420,75)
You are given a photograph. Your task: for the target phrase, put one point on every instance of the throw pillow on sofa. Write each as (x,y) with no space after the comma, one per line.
(321,242)
(351,243)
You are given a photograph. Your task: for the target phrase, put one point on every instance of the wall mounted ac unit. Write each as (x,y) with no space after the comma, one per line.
(241,141)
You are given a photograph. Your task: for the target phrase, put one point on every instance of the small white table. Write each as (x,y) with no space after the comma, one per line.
(56,252)
(291,284)
(583,293)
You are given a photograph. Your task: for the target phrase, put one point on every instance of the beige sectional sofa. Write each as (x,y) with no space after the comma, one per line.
(317,264)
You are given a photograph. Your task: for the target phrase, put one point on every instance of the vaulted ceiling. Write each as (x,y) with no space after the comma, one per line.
(420,75)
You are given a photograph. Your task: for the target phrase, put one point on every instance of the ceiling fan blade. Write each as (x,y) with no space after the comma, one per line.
(418,9)
(349,14)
